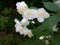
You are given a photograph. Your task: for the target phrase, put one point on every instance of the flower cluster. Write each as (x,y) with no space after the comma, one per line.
(21,27)
(28,14)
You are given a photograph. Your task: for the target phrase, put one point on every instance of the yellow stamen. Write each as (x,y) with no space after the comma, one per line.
(29,13)
(40,14)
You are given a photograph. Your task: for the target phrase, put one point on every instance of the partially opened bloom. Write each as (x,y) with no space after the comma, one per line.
(41,37)
(30,14)
(33,22)
(42,14)
(21,6)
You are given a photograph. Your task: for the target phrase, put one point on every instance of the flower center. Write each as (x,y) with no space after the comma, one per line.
(20,11)
(29,13)
(40,14)
(21,29)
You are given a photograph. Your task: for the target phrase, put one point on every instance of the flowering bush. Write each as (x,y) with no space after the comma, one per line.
(29,14)
(31,23)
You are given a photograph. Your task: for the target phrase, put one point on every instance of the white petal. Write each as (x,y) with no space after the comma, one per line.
(17,25)
(25,30)
(21,6)
(17,21)
(21,30)
(46,15)
(40,19)
(17,29)
(28,33)
(34,13)
(41,9)
(18,5)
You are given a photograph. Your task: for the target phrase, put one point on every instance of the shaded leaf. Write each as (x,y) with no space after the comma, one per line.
(56,39)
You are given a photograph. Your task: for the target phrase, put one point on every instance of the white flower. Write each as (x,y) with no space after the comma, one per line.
(21,6)
(42,14)
(22,29)
(41,37)
(18,26)
(54,28)
(24,22)
(57,2)
(30,14)
(28,33)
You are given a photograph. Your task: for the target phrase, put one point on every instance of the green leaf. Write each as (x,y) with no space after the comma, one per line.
(46,27)
(51,6)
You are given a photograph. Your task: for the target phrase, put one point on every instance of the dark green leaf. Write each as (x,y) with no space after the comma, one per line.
(56,39)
